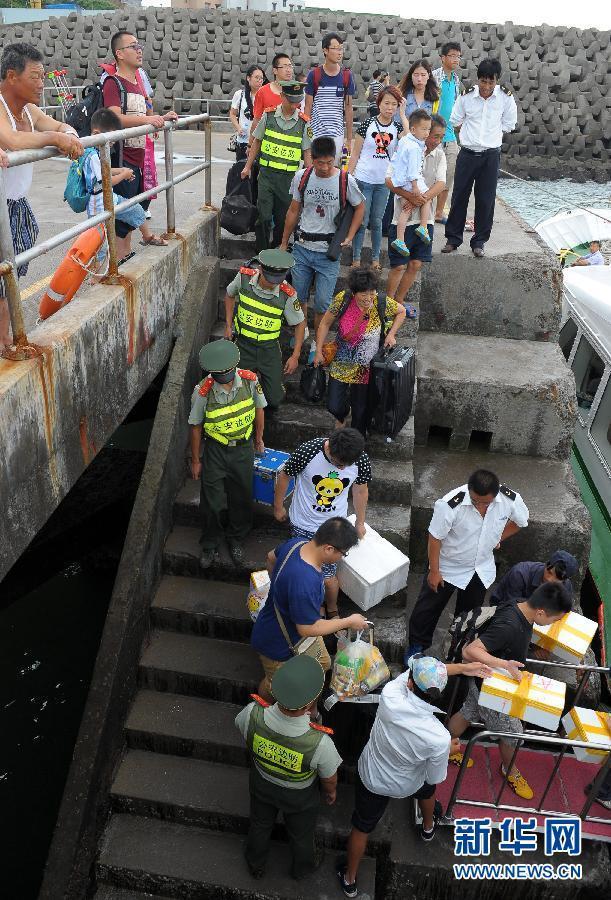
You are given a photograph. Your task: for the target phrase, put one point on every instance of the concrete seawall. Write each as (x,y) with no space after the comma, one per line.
(100,353)
(559,75)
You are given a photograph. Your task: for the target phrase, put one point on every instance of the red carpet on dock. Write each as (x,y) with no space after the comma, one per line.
(566,795)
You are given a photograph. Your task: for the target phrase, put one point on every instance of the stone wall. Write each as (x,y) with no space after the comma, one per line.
(559,75)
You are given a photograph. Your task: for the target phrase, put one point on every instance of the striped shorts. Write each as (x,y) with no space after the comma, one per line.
(329,570)
(24,229)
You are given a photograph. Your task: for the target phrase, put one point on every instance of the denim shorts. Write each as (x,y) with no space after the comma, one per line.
(417,249)
(329,570)
(310,263)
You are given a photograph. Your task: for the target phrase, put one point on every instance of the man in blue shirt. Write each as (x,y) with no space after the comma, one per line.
(521,581)
(448,82)
(296,594)
(593,258)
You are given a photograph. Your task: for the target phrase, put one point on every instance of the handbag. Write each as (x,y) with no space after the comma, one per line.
(308,646)
(313,383)
(329,350)
(232,146)
(238,213)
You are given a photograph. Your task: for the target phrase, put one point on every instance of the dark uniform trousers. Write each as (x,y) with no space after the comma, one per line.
(273,201)
(299,808)
(264,358)
(481,170)
(430,605)
(226,484)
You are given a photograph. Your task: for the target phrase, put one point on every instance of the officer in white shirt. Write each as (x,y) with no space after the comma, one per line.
(467,524)
(480,116)
(406,756)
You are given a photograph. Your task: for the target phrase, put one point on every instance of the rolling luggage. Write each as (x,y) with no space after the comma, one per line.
(391,385)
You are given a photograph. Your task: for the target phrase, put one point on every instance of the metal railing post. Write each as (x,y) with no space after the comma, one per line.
(13,294)
(109,206)
(208,170)
(168,145)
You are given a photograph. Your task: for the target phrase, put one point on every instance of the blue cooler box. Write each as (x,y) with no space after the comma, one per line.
(264,476)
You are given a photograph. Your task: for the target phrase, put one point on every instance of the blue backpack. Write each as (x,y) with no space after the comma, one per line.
(76,194)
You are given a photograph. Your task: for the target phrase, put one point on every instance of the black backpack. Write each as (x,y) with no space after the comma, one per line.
(238,212)
(78,116)
(466,628)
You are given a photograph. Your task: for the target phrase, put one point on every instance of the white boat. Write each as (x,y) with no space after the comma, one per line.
(585,340)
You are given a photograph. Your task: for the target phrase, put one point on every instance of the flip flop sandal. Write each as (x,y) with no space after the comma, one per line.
(155,242)
(126,258)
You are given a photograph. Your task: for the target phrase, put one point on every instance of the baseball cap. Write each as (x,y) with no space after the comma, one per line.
(428,672)
(570,563)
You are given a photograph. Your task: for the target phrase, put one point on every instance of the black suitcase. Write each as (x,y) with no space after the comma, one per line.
(391,389)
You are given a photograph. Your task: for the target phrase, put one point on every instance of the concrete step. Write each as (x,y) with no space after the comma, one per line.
(201,667)
(216,796)
(185,726)
(192,862)
(214,609)
(107,892)
(182,549)
(294,424)
(391,483)
(558,517)
(518,396)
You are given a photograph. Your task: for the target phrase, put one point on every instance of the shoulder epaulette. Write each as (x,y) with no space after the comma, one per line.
(260,701)
(456,500)
(245,270)
(288,289)
(469,90)
(303,116)
(205,386)
(322,728)
(507,492)
(506,90)
(247,374)
(271,109)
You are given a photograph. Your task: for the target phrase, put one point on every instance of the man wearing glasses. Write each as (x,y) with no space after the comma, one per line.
(271,94)
(448,82)
(124,95)
(329,91)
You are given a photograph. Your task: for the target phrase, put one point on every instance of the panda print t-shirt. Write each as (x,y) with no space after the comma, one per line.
(321,488)
(379,145)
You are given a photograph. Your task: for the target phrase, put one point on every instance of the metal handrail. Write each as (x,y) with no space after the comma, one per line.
(9,262)
(537,738)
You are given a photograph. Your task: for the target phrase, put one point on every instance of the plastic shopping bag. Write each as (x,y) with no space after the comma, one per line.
(257,594)
(359,666)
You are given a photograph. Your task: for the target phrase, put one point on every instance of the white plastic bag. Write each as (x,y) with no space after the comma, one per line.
(257,594)
(359,666)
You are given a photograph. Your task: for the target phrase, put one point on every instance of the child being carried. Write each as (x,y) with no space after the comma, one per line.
(407,174)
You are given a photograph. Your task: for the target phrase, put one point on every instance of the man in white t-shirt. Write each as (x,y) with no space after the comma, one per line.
(325,469)
(406,756)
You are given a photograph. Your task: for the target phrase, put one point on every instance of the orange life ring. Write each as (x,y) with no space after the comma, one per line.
(70,275)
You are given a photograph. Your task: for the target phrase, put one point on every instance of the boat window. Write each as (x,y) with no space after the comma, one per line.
(568,333)
(588,368)
(601,424)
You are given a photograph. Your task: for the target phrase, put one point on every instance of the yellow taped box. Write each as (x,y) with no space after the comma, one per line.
(535,699)
(257,594)
(568,638)
(591,726)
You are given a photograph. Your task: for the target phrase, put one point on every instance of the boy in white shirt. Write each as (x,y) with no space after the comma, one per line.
(407,174)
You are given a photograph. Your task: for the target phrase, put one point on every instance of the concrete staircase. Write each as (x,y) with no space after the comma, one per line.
(180,800)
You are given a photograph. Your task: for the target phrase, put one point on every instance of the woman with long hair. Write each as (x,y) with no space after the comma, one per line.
(241,111)
(419,88)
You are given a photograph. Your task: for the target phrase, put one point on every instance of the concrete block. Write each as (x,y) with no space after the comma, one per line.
(558,517)
(518,396)
(460,294)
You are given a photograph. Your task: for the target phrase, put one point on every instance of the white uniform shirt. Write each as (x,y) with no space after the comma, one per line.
(468,539)
(407,745)
(484,121)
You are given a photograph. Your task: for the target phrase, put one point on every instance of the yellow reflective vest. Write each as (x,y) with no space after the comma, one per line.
(226,422)
(255,318)
(282,150)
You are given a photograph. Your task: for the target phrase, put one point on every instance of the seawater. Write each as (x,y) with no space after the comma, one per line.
(535,200)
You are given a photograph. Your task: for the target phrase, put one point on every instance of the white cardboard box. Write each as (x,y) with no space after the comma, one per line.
(374,569)
(568,638)
(588,725)
(535,699)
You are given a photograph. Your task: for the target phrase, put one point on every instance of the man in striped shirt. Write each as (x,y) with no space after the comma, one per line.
(329,91)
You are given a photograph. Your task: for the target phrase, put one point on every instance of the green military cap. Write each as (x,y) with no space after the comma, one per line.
(298,682)
(294,90)
(276,260)
(219,356)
